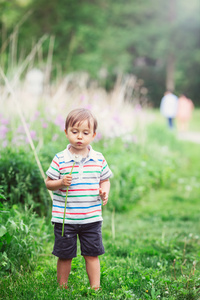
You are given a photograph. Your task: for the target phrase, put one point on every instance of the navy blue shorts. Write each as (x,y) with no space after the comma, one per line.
(90,237)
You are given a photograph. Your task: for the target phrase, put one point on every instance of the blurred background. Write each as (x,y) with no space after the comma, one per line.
(147,46)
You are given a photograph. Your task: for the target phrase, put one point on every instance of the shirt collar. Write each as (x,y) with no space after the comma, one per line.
(69,157)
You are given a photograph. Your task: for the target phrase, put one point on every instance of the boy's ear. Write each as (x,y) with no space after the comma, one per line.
(94,134)
(66,133)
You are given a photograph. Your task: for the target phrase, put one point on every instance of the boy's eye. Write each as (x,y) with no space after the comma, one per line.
(74,131)
(86,133)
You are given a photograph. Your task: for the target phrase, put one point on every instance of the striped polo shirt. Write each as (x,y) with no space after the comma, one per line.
(83,201)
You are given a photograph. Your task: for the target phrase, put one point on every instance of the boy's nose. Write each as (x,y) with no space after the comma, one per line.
(79,135)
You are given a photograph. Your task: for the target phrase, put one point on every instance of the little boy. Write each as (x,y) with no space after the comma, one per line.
(87,186)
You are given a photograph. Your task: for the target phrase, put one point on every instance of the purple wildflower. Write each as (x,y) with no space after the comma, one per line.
(4,144)
(88,106)
(44,125)
(134,139)
(20,129)
(98,137)
(3,131)
(36,115)
(4,121)
(59,121)
(33,134)
(82,97)
(138,108)
(117,118)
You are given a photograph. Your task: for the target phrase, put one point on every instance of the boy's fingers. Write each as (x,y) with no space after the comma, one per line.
(101,193)
(68,176)
(105,201)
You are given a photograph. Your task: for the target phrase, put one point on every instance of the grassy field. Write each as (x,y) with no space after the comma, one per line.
(154,254)
(152,246)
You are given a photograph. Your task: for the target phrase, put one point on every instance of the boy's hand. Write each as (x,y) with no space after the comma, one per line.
(67,180)
(104,196)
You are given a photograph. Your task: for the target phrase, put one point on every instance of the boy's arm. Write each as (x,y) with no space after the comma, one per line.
(54,185)
(104,188)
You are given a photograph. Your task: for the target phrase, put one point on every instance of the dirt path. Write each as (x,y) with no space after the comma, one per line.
(189,136)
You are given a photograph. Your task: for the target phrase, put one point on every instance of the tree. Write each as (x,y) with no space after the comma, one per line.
(157,40)
(77,27)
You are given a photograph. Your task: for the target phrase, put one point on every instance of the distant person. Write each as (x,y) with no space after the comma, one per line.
(184,112)
(89,186)
(168,107)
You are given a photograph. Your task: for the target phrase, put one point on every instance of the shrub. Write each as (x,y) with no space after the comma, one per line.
(20,238)
(22,181)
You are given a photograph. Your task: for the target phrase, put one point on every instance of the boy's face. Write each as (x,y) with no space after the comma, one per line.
(80,136)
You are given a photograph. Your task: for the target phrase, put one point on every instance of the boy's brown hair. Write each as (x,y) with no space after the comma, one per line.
(78,116)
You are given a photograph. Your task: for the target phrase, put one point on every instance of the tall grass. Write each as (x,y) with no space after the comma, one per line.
(118,111)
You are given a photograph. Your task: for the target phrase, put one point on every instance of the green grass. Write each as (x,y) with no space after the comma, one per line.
(139,262)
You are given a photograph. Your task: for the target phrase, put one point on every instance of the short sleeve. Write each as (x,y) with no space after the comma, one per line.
(105,172)
(53,172)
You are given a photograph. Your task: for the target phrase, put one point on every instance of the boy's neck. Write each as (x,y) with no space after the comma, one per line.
(84,153)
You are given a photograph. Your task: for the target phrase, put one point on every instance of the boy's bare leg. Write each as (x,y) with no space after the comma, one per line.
(63,270)
(93,271)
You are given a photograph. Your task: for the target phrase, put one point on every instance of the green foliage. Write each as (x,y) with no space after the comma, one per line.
(20,238)
(22,181)
(2,193)
(137,170)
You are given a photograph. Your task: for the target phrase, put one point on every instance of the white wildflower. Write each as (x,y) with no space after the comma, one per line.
(188,188)
(77,158)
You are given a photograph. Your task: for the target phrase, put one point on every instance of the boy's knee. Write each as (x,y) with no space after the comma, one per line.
(90,258)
